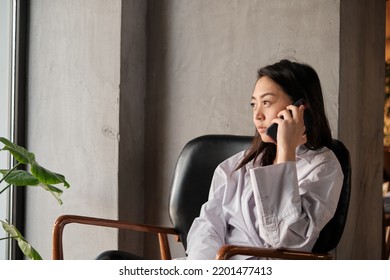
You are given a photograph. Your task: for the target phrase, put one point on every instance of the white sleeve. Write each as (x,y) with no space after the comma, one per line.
(207,233)
(292,214)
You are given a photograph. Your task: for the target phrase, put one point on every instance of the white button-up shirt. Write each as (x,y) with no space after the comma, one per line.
(279,206)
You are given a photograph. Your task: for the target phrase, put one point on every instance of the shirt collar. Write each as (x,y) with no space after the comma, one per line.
(304,153)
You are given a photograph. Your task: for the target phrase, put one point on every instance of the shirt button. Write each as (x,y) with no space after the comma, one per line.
(269,212)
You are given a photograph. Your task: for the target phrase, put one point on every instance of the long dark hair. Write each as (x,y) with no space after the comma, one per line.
(298,81)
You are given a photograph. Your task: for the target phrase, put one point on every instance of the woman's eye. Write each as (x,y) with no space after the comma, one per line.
(266,103)
(252,105)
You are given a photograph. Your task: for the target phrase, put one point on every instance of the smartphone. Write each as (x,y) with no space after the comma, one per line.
(272,130)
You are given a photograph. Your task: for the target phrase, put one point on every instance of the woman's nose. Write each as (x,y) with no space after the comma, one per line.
(259,115)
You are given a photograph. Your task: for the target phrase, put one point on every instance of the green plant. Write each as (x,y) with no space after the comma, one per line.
(32,175)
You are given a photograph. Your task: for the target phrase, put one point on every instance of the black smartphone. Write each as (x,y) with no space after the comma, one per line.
(272,130)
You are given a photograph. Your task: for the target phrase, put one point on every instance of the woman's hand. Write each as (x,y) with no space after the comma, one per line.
(291,132)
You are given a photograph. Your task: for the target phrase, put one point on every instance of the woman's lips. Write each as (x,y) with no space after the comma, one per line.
(261,129)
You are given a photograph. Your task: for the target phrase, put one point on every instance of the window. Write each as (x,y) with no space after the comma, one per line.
(5,90)
(13,50)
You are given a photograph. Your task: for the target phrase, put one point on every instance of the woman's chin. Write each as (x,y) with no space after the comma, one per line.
(265,138)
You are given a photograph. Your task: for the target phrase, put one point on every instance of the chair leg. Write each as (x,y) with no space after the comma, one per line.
(164,246)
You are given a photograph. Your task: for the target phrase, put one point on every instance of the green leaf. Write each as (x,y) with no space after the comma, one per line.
(56,192)
(46,176)
(51,188)
(20,178)
(36,176)
(19,153)
(26,248)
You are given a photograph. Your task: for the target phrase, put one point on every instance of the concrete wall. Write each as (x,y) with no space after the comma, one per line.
(184,68)
(73,117)
(202,61)
(362,68)
(131,121)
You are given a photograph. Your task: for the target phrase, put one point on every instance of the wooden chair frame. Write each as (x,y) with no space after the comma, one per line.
(225,252)
(62,221)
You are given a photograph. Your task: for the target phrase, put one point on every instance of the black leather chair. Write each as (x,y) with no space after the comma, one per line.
(193,173)
(190,188)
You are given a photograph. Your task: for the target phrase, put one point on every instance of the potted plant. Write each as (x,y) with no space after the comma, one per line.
(33,175)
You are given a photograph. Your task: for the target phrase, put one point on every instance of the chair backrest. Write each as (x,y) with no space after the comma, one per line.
(331,234)
(194,171)
(193,174)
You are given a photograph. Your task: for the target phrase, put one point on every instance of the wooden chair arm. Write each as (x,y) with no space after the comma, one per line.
(62,221)
(227,251)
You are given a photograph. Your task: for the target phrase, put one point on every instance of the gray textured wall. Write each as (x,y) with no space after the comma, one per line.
(362,68)
(73,117)
(132,121)
(162,72)
(202,68)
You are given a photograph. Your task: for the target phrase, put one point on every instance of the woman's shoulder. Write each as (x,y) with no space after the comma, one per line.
(232,162)
(320,155)
(224,173)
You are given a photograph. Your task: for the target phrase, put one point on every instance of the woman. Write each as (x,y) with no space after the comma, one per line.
(275,194)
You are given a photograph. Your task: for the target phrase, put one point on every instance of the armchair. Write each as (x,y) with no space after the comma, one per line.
(190,187)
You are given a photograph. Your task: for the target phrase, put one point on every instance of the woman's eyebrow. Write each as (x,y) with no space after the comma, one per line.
(263,95)
(266,94)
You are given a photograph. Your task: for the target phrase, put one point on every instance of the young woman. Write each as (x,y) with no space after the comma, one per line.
(279,193)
